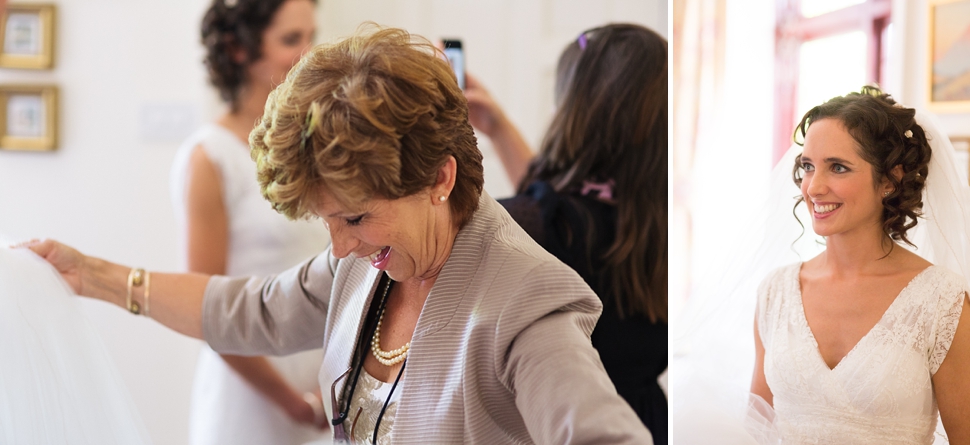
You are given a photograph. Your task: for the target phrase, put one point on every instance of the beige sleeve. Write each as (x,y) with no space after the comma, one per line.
(275,315)
(561,389)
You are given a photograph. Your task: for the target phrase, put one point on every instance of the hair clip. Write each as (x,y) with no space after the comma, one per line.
(604,190)
(908,134)
(311,122)
(582,41)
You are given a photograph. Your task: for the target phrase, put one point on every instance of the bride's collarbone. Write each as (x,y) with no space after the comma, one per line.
(840,311)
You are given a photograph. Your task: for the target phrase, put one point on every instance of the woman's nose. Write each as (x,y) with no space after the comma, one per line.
(343,243)
(817,185)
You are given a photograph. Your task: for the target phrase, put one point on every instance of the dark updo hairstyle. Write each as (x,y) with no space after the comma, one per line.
(227,27)
(611,124)
(879,126)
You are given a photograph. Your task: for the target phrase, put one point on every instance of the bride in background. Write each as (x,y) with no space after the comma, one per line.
(863,342)
(226,227)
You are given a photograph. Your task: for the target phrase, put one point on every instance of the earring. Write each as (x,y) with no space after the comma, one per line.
(442,198)
(885,194)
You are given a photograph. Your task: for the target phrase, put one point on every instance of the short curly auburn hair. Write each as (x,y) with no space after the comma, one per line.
(879,126)
(382,111)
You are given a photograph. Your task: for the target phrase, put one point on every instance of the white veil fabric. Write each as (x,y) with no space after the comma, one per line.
(58,385)
(712,344)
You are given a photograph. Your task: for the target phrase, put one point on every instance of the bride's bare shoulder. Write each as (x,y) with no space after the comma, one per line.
(911,263)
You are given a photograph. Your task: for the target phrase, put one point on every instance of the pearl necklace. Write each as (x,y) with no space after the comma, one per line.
(387,358)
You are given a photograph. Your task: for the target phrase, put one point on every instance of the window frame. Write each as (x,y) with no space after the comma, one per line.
(792,30)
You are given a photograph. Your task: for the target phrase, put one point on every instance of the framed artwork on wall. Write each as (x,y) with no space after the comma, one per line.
(27,36)
(949,56)
(28,117)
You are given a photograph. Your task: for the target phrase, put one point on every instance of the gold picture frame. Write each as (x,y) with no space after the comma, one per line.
(948,77)
(27,36)
(28,117)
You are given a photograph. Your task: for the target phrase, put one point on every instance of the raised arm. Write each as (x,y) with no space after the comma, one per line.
(176,299)
(951,383)
(487,116)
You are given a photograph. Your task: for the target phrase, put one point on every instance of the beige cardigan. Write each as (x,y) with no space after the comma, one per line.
(500,353)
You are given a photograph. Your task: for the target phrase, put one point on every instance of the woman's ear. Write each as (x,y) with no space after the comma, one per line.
(239,55)
(445,181)
(897,174)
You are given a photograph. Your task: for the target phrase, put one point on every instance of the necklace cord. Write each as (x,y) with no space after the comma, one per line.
(360,352)
(377,426)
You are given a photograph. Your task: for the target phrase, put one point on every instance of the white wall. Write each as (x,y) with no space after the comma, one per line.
(132,85)
(511,46)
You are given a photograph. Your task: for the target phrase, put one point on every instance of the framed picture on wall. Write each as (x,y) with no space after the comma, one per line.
(27,36)
(949,54)
(28,117)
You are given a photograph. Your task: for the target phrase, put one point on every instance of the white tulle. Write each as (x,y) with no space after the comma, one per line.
(712,343)
(58,384)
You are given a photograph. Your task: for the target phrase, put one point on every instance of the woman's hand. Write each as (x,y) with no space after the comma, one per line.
(300,410)
(65,259)
(487,116)
(305,408)
(315,403)
(176,299)
(484,113)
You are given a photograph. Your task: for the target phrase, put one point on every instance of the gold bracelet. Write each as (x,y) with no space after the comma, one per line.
(135,278)
(148,288)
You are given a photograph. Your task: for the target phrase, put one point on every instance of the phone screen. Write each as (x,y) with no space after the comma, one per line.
(456,57)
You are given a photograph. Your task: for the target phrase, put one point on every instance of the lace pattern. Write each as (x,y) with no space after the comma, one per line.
(881,392)
(370,395)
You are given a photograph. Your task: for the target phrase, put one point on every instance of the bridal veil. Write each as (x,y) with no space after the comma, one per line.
(58,385)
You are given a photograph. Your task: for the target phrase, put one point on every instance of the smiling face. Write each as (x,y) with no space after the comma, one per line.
(838,184)
(406,237)
(288,36)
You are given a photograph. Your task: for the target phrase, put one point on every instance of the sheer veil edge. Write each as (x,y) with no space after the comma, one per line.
(58,383)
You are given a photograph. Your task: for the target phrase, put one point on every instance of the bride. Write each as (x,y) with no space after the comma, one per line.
(864,342)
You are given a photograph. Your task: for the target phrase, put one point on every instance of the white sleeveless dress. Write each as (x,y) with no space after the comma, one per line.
(882,390)
(225,408)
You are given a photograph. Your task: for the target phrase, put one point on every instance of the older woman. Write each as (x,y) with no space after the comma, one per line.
(425,272)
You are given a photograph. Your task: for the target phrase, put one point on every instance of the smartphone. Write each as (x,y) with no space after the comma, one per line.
(456,57)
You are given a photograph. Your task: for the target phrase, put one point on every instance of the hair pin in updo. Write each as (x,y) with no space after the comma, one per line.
(908,134)
(582,41)
(310,124)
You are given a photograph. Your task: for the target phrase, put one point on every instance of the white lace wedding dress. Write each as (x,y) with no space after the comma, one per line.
(881,392)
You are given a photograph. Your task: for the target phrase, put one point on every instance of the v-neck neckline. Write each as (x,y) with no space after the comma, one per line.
(811,333)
